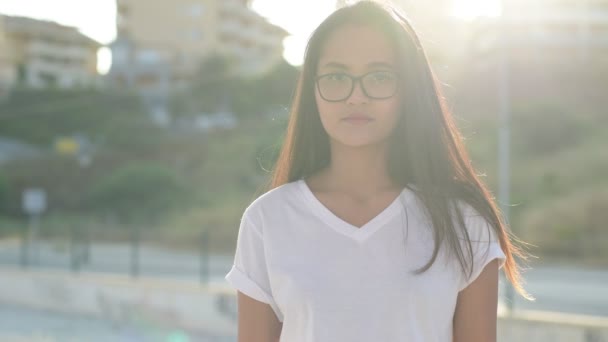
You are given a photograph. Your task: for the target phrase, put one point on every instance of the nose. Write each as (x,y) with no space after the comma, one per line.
(358,95)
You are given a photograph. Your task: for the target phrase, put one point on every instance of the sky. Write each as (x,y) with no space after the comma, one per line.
(96,18)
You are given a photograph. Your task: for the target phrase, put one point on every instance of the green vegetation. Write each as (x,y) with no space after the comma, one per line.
(175,183)
(559,178)
(137,189)
(105,117)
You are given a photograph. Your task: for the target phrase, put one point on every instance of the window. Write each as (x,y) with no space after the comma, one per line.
(195,10)
(148,57)
(195,34)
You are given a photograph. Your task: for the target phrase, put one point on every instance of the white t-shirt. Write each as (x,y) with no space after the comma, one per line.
(329,281)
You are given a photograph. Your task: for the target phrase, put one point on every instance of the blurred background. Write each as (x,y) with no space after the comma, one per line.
(133,134)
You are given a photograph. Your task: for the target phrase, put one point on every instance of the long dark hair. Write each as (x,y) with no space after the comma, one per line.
(426,151)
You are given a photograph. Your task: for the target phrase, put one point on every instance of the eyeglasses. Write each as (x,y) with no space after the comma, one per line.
(336,87)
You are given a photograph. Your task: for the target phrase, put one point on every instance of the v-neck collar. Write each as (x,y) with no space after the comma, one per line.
(357,233)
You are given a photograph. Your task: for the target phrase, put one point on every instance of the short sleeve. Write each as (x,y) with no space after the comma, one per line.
(484,243)
(249,273)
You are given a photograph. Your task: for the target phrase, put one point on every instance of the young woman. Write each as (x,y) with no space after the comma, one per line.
(375,227)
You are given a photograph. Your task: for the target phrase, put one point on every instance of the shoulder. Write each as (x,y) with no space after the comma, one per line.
(271,201)
(479,230)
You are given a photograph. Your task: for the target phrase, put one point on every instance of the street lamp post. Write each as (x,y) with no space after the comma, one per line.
(504,133)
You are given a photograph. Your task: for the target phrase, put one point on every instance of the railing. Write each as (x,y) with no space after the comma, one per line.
(134,252)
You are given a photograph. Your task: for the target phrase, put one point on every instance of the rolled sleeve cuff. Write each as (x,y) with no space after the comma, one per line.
(494,252)
(241,282)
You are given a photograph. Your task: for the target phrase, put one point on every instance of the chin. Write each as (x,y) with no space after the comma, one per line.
(358,142)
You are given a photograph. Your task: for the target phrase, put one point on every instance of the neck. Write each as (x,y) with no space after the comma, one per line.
(360,170)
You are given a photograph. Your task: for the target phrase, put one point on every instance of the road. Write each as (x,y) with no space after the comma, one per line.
(20,324)
(571,289)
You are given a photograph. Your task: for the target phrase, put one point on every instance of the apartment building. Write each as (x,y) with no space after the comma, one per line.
(44,53)
(161,43)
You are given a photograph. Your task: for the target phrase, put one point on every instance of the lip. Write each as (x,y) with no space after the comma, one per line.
(357,118)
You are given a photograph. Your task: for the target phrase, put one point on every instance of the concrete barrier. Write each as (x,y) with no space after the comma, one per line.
(212,309)
(120,299)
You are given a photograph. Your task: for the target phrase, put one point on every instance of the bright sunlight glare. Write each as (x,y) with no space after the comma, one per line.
(299,18)
(104,60)
(471,9)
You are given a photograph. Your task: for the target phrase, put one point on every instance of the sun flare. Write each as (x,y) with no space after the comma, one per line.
(471,9)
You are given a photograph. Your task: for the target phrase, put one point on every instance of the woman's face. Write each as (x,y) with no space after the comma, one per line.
(366,112)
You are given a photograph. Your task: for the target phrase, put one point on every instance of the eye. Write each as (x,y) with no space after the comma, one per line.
(382,76)
(336,77)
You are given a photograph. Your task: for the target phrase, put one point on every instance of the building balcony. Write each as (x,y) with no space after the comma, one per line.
(73,52)
(55,66)
(236,50)
(231,28)
(234,8)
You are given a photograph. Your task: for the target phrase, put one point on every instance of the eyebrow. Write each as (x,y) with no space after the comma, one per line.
(337,65)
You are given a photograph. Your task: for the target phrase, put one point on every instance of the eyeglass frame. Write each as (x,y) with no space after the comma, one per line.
(355,80)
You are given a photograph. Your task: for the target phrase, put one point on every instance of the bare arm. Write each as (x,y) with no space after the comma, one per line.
(257,321)
(475,315)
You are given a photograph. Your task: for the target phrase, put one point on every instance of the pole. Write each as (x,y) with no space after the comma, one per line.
(25,233)
(204,261)
(135,250)
(86,254)
(33,243)
(74,262)
(504,135)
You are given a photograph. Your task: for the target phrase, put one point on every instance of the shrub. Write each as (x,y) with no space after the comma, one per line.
(138,190)
(572,225)
(539,130)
